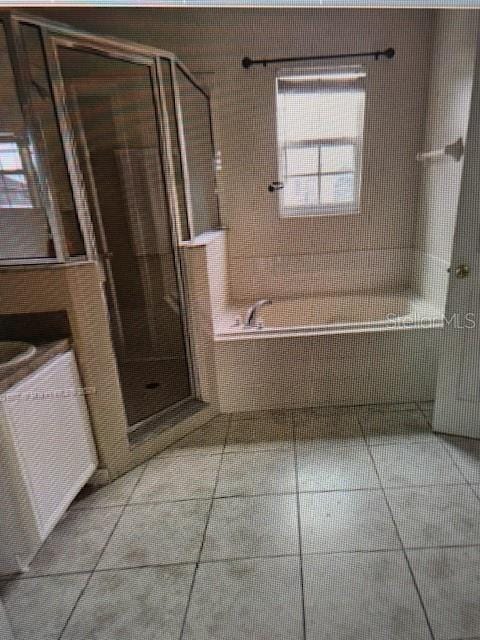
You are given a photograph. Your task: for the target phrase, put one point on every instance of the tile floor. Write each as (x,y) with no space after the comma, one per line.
(354,523)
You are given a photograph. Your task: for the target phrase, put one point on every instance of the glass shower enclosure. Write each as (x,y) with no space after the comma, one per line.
(118,143)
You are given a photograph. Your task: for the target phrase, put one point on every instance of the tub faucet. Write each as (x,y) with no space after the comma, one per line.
(251,314)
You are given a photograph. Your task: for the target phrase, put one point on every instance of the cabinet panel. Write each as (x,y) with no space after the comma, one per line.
(48,417)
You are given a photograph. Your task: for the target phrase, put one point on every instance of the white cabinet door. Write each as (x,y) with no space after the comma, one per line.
(50,426)
(457,404)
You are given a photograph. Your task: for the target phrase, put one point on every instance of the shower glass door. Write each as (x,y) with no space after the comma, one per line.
(109,111)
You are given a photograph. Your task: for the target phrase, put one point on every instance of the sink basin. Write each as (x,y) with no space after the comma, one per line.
(15,352)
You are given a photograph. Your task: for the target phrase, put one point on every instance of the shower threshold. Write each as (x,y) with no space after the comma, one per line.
(160,422)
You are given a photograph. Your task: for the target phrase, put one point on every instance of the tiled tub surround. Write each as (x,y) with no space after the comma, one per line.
(332,338)
(348,522)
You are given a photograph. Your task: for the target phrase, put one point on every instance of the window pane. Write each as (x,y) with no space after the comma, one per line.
(20,199)
(16,181)
(24,230)
(15,191)
(51,155)
(300,191)
(337,158)
(301,160)
(9,157)
(337,189)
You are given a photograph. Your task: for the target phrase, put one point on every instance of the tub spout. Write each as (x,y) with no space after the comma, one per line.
(251,314)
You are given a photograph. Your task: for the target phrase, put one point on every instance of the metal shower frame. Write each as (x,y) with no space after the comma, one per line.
(54,34)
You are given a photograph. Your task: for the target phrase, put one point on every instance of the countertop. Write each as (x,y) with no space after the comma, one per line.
(45,352)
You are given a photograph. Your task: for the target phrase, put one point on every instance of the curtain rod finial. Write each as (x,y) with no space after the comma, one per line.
(246,63)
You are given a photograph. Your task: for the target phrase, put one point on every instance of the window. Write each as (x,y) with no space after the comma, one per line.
(320,116)
(14,191)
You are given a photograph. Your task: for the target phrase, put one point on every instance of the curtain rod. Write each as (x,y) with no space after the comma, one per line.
(388,53)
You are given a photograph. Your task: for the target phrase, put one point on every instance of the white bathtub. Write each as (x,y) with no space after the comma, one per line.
(329,315)
(345,350)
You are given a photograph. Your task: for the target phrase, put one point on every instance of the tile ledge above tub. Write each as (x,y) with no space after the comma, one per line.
(203,239)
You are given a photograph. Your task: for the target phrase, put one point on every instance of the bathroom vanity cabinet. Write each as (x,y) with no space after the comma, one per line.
(47,454)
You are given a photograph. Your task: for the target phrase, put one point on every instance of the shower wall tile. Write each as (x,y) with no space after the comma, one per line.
(319,274)
(201,319)
(218,274)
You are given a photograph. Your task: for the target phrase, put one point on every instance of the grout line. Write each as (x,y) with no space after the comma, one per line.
(202,562)
(207,522)
(164,452)
(469,484)
(187,563)
(299,525)
(452,458)
(101,554)
(20,577)
(422,604)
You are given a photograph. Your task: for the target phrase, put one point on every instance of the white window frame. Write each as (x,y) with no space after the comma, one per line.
(319,210)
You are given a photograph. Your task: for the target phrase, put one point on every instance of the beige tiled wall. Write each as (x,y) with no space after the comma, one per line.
(214,41)
(334,273)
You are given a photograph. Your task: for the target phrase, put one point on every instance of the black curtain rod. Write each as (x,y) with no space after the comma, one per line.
(388,53)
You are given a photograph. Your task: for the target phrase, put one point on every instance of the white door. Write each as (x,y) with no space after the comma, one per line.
(457,404)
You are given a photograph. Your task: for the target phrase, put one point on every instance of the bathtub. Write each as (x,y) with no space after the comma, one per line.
(345,350)
(329,315)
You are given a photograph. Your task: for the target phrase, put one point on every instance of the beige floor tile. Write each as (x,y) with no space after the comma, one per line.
(340,429)
(208,440)
(466,455)
(449,584)
(326,467)
(346,521)
(116,493)
(77,542)
(177,478)
(361,596)
(257,472)
(419,463)
(395,427)
(155,534)
(38,608)
(259,434)
(147,603)
(257,599)
(252,527)
(436,516)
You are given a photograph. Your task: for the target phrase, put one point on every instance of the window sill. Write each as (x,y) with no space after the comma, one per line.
(319,213)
